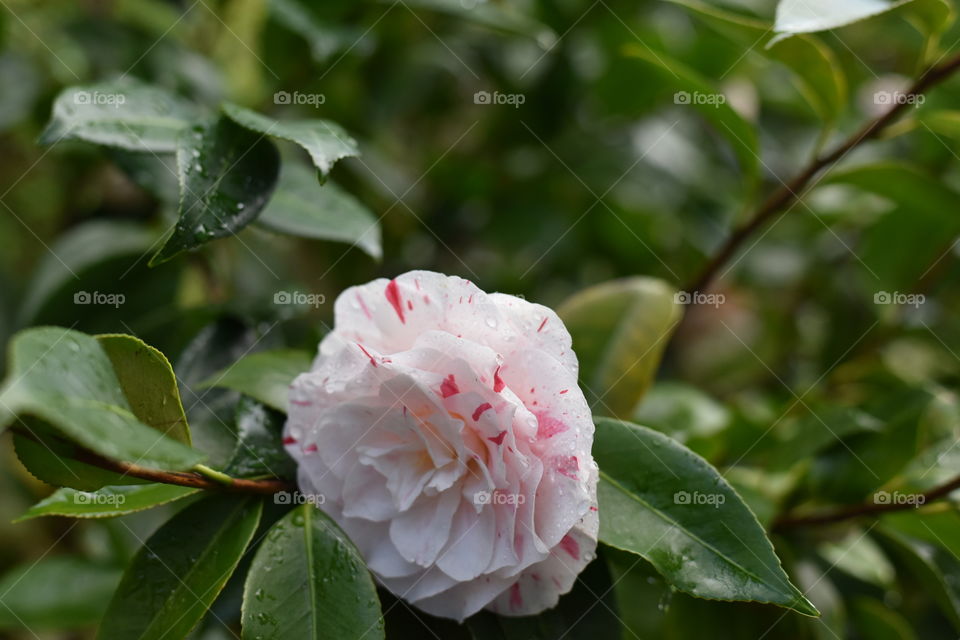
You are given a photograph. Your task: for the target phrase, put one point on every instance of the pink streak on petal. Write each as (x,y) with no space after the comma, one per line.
(516,599)
(289,440)
(449,387)
(542,324)
(367,353)
(392,293)
(479,410)
(570,545)
(567,466)
(498,383)
(498,439)
(301,403)
(364,308)
(310,448)
(548,426)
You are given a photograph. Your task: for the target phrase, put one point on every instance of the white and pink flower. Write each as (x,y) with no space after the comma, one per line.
(446,431)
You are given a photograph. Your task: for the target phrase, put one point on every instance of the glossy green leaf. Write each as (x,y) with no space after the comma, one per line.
(53,460)
(176,576)
(808,16)
(65,378)
(126,114)
(325,141)
(227,174)
(859,555)
(308,581)
(303,207)
(619,330)
(260,450)
(665,503)
(686,414)
(588,612)
(148,382)
(107,502)
(324,39)
(56,592)
(740,134)
(266,375)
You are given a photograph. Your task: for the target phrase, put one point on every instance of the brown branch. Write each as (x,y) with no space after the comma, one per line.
(866,509)
(179,478)
(790,191)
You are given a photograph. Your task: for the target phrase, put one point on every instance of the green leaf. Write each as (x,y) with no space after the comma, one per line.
(860,556)
(619,330)
(180,570)
(148,382)
(905,241)
(303,207)
(936,569)
(739,133)
(107,502)
(89,244)
(56,592)
(325,141)
(324,39)
(686,414)
(126,114)
(665,503)
(260,448)
(818,73)
(877,621)
(308,581)
(53,460)
(588,612)
(266,375)
(65,378)
(227,174)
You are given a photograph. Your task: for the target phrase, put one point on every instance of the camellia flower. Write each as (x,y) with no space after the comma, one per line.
(446,432)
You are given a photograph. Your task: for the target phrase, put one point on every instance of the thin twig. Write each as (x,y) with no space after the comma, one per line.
(867,509)
(790,191)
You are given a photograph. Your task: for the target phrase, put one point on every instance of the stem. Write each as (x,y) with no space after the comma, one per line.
(790,191)
(202,477)
(845,513)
